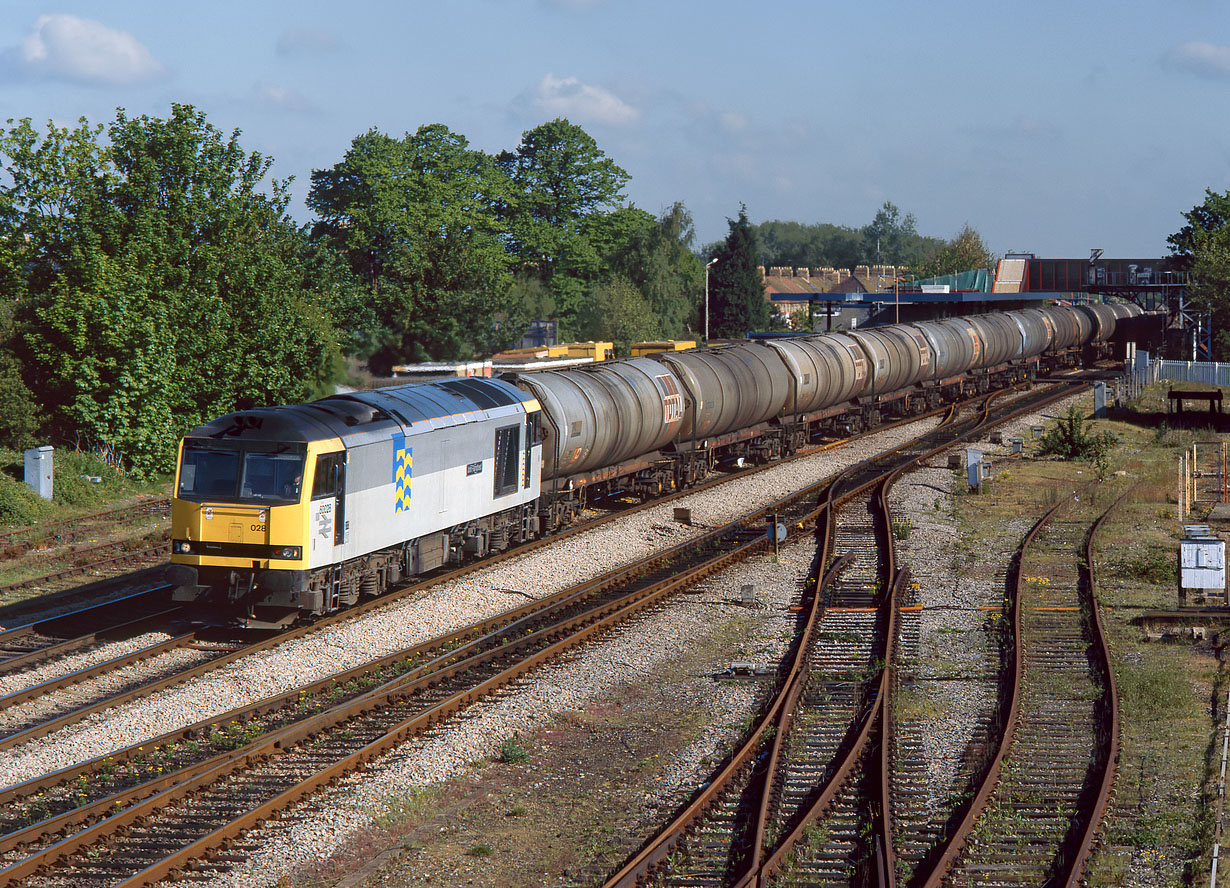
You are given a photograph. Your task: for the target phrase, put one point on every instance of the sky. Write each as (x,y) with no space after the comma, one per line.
(1050,127)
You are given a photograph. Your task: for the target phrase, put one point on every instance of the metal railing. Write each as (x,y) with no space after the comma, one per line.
(1204,372)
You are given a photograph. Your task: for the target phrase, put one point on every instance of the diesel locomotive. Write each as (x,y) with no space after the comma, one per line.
(302,509)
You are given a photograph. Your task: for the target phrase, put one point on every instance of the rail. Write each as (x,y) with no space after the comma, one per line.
(658,849)
(1070,864)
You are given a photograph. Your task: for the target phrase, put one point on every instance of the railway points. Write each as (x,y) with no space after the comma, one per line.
(758,534)
(885,829)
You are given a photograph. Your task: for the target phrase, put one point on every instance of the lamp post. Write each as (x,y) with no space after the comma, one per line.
(712,262)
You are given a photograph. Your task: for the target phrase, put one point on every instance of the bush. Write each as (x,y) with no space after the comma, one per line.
(73,490)
(20,416)
(19,504)
(511,750)
(1069,440)
(72,485)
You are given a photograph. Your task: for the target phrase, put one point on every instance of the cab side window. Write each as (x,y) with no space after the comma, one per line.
(507,446)
(328,476)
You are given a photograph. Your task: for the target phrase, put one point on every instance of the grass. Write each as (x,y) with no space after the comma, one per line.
(1155,565)
(74,492)
(77,496)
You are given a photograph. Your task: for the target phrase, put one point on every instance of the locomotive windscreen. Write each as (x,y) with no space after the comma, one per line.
(212,471)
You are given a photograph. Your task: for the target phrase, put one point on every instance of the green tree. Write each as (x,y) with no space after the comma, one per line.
(795,245)
(964,252)
(160,287)
(657,257)
(20,417)
(560,179)
(417,220)
(1202,248)
(893,239)
(617,311)
(736,287)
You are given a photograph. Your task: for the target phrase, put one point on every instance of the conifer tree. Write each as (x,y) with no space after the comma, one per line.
(737,301)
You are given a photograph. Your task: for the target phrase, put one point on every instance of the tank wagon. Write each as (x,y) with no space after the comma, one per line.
(305,508)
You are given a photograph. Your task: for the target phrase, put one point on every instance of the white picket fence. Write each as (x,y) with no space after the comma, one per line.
(1149,372)
(1204,372)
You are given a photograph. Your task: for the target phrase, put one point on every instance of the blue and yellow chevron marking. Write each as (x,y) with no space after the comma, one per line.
(403,471)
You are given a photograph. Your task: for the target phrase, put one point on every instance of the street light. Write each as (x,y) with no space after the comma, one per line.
(712,262)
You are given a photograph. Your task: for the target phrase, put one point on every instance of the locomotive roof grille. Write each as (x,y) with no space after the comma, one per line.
(351,411)
(484,395)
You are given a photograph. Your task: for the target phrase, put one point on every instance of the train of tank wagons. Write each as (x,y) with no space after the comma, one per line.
(303,509)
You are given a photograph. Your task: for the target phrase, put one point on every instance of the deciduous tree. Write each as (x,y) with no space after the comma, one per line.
(795,244)
(964,252)
(617,311)
(561,180)
(159,286)
(416,218)
(1202,248)
(657,257)
(893,239)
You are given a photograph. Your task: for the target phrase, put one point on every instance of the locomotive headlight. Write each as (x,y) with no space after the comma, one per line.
(184,547)
(291,552)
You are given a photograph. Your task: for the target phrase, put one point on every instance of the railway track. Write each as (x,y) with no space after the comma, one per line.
(47,556)
(47,706)
(851,796)
(385,716)
(923,796)
(273,741)
(1034,815)
(821,779)
(103,558)
(838,690)
(18,541)
(37,646)
(39,641)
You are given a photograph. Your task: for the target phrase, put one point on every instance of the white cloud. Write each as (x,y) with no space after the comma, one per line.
(569,97)
(282,98)
(1204,59)
(82,50)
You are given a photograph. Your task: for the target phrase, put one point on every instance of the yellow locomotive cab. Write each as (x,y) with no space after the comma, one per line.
(241,510)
